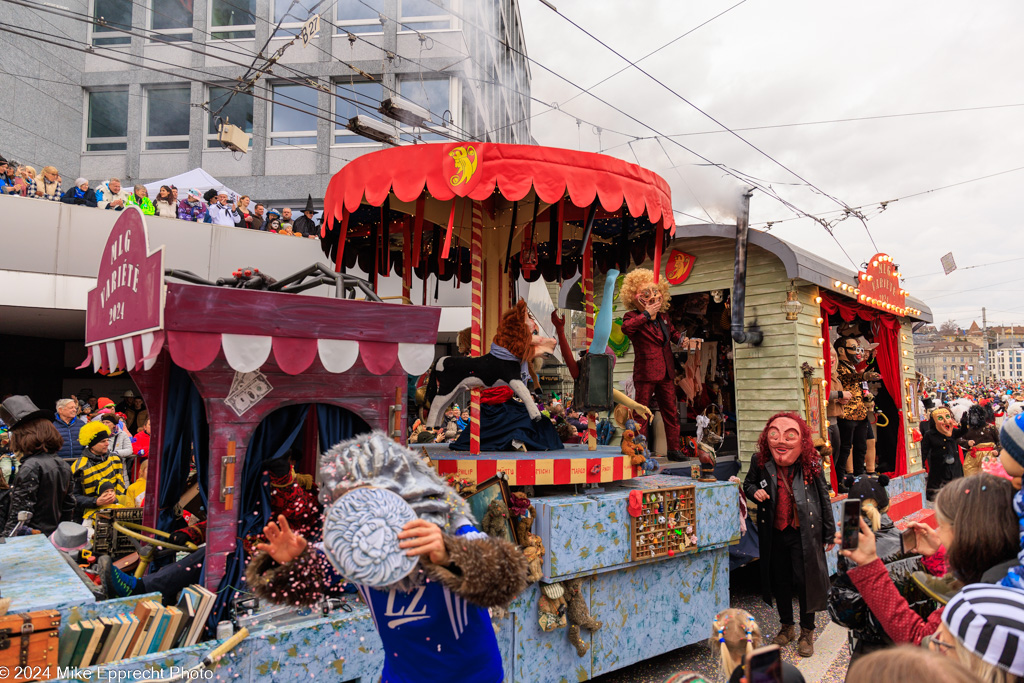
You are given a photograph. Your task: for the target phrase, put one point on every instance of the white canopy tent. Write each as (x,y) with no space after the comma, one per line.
(197,179)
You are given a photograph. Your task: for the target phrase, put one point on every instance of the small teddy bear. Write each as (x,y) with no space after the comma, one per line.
(634,450)
(495,519)
(579,615)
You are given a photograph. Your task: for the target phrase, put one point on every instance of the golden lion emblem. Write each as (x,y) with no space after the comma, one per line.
(465,164)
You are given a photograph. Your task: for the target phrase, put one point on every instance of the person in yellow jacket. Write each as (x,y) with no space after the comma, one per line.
(98,475)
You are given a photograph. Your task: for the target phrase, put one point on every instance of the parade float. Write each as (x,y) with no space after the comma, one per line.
(236,374)
(770,352)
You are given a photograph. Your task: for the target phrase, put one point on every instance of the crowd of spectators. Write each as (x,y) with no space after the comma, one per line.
(217,207)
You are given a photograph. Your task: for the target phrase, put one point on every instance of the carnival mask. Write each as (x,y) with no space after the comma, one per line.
(853,352)
(944,421)
(784,440)
(649,296)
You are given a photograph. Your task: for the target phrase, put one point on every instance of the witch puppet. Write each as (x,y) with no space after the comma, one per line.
(409,544)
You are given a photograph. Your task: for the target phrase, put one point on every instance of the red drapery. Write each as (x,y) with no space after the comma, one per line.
(886,330)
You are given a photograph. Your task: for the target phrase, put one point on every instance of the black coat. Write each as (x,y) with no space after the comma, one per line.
(305,226)
(935,448)
(817,528)
(87,199)
(42,487)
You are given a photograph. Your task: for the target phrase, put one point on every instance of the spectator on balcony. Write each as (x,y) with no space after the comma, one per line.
(221,213)
(192,208)
(287,224)
(140,198)
(259,220)
(49,184)
(24,181)
(304,224)
(114,195)
(165,205)
(244,215)
(80,194)
(273,222)
(6,177)
(174,194)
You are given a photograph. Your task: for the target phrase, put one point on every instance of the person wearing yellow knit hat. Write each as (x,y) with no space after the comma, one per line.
(98,475)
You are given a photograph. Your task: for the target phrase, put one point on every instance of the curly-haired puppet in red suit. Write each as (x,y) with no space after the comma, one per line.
(652,335)
(794,522)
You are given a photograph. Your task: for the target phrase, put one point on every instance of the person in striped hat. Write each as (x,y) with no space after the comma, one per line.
(983,628)
(98,475)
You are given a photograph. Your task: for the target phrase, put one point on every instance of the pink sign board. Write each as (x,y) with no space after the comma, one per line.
(129,295)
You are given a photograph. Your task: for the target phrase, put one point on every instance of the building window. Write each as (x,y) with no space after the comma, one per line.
(359,16)
(238,112)
(432,94)
(292,17)
(362,97)
(293,126)
(111,15)
(171,18)
(422,15)
(107,123)
(232,19)
(167,118)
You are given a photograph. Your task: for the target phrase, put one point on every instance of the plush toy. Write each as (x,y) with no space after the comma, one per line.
(631,448)
(874,499)
(519,505)
(650,463)
(534,553)
(507,364)
(552,607)
(579,615)
(495,519)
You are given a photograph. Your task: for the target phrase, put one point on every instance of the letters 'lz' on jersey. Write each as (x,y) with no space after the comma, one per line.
(432,634)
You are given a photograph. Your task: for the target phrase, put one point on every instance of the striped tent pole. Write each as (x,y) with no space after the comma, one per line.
(476,331)
(588,289)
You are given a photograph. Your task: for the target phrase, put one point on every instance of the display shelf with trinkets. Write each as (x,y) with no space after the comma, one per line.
(667,523)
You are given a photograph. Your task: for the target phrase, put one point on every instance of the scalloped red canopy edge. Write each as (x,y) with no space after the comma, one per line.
(512,169)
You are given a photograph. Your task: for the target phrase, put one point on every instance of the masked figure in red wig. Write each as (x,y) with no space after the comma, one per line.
(794,522)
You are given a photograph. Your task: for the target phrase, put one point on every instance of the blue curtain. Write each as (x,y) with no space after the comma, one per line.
(335,424)
(185,431)
(271,440)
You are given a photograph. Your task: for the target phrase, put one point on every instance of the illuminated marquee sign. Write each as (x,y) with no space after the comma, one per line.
(879,286)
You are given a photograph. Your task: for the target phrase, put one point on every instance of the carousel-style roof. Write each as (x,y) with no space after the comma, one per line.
(477,169)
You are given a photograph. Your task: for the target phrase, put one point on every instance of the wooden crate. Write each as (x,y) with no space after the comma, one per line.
(667,524)
(28,645)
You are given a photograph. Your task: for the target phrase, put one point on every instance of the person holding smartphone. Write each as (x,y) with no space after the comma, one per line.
(795,525)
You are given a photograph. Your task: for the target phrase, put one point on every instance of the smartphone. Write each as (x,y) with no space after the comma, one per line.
(764,665)
(851,523)
(908,540)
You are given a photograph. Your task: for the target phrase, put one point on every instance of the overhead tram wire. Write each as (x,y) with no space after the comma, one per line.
(883,205)
(8,29)
(767,190)
(187,45)
(716,121)
(625,68)
(192,46)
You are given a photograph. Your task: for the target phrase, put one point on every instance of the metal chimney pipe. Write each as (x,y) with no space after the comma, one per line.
(739,282)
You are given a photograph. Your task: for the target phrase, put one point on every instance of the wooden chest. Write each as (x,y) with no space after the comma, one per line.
(28,645)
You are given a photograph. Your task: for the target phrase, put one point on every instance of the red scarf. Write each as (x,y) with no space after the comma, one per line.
(785,511)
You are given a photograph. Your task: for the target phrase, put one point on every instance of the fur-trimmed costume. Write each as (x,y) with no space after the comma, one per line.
(434,624)
(652,338)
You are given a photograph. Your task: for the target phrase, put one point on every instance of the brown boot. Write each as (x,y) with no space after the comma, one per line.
(805,647)
(786,636)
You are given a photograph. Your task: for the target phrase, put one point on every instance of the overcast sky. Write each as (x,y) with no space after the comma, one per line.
(776,62)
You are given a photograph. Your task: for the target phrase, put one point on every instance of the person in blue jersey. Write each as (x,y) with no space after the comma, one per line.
(434,622)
